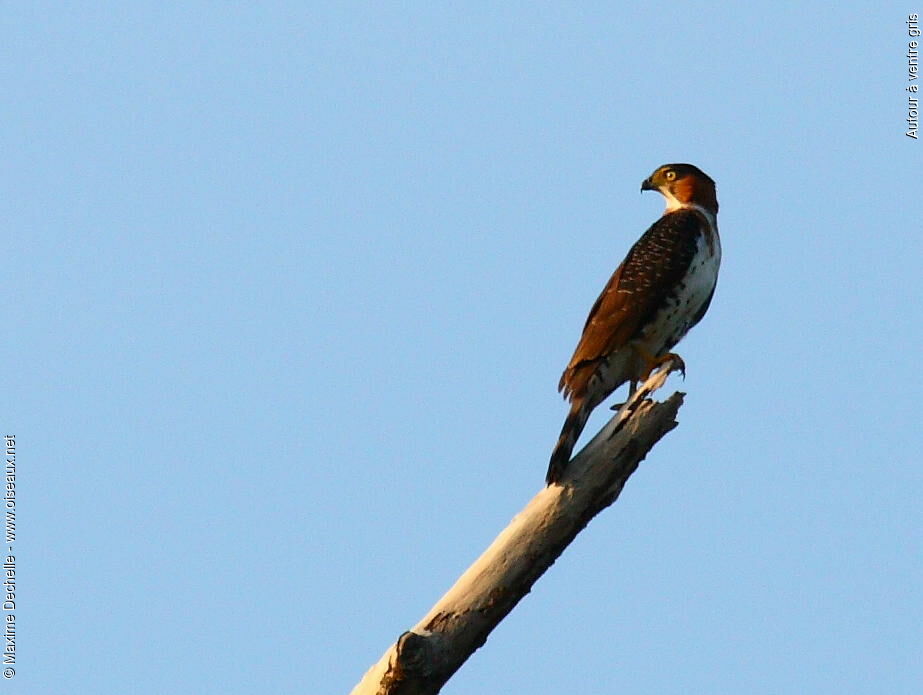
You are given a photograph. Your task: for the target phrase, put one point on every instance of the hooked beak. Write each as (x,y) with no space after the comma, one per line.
(648,185)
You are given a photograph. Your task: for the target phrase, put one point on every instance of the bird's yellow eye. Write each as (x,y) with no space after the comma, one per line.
(670,175)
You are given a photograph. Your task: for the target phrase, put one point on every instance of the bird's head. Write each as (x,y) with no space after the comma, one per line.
(683,185)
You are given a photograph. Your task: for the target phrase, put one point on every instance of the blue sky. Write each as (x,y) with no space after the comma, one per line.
(289,290)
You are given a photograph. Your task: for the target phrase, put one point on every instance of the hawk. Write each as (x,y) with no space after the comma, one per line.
(660,291)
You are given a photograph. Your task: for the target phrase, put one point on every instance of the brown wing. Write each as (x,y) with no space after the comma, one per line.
(651,270)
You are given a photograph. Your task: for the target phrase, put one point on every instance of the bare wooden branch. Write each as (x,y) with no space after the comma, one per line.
(425,657)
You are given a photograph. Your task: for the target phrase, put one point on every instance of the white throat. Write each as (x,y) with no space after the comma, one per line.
(673,204)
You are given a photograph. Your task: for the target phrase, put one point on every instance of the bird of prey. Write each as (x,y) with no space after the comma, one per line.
(660,291)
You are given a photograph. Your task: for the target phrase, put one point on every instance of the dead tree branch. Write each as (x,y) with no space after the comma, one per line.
(425,657)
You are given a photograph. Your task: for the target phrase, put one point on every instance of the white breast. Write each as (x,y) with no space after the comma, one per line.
(691,295)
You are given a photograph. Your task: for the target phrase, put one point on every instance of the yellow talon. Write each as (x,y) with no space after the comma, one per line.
(651,363)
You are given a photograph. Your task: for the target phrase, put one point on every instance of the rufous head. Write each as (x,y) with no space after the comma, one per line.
(683,185)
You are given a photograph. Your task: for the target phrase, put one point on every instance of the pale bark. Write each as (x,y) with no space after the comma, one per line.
(427,655)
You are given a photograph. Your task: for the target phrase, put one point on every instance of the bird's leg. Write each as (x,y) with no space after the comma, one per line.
(651,363)
(632,388)
(672,361)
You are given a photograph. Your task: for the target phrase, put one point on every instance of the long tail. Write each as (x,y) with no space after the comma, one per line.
(570,433)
